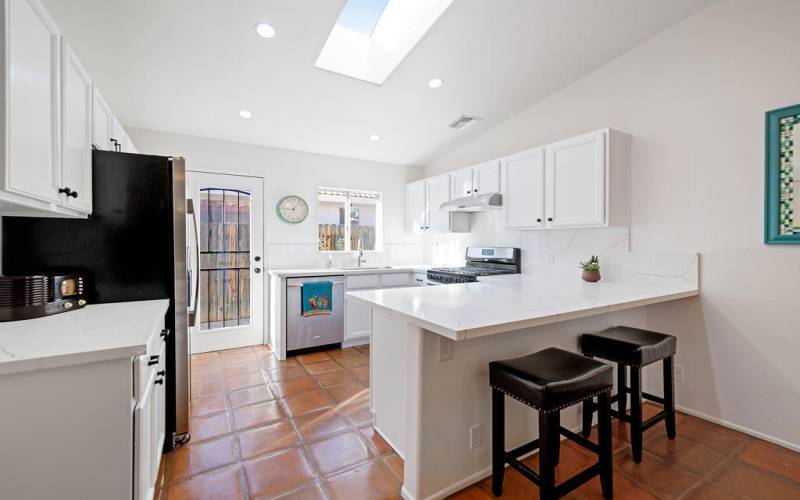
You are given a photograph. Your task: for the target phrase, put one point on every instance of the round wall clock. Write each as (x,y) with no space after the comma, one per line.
(292,209)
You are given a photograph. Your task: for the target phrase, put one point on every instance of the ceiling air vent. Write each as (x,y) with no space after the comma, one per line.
(462,121)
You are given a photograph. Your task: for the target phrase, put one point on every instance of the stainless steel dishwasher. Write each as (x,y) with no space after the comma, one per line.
(311,331)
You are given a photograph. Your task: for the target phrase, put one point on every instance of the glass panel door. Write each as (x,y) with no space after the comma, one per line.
(224,258)
(230,305)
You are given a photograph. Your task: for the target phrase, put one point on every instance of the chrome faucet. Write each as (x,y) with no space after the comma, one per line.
(361,259)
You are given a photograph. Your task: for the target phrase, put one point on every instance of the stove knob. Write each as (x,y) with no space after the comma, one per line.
(67,305)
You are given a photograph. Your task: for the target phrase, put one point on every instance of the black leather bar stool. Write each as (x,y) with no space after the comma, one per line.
(634,348)
(549,381)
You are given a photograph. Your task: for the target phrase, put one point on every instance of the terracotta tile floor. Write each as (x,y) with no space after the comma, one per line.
(301,428)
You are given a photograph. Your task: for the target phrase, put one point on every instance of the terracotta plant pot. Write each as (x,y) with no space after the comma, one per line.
(591,276)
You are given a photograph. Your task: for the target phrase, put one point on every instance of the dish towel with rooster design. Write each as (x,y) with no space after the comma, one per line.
(317,298)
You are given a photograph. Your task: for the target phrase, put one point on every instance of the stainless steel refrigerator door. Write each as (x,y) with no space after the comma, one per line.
(181,334)
(310,331)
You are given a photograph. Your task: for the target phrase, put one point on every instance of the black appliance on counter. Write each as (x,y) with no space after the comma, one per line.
(480,261)
(37,295)
(132,247)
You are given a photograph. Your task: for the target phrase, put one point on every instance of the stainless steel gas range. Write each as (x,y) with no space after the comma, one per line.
(480,261)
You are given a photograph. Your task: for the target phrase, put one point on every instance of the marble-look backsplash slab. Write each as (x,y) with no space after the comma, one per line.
(539,247)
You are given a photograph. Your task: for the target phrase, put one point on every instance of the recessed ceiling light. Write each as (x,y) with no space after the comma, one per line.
(435,83)
(265,30)
(245,114)
(374,138)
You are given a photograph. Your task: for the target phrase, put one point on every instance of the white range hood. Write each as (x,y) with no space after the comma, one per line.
(478,203)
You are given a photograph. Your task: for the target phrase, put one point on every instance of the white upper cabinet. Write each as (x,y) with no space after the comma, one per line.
(31,165)
(438,193)
(103,123)
(523,188)
(53,115)
(576,181)
(416,207)
(77,93)
(486,178)
(478,179)
(462,183)
(119,139)
(423,199)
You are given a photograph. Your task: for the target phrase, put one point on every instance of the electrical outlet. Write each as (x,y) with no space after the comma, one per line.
(679,373)
(476,436)
(445,349)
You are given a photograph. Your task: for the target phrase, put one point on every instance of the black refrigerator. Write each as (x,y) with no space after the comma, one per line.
(132,247)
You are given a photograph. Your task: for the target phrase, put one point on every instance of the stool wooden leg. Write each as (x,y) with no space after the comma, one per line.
(636,413)
(547,467)
(555,437)
(669,395)
(604,434)
(588,412)
(498,441)
(622,383)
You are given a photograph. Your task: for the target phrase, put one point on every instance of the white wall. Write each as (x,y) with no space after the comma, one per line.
(694,99)
(293,172)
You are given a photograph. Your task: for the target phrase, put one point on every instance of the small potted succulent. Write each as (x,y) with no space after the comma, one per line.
(591,269)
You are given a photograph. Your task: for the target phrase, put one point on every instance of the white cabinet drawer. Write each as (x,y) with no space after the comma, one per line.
(419,279)
(362,281)
(150,362)
(389,280)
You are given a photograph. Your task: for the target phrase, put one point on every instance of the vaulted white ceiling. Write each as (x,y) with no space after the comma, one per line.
(189,66)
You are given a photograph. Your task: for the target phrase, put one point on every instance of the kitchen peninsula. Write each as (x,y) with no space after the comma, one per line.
(431,346)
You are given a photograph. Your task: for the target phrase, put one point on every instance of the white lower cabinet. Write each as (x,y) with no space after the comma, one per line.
(149,427)
(90,430)
(358,317)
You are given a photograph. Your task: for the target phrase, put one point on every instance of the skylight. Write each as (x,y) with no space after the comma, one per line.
(372,37)
(361,16)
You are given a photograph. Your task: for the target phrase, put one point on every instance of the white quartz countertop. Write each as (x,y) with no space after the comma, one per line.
(95,333)
(291,273)
(506,303)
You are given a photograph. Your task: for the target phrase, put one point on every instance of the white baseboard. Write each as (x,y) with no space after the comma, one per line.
(737,427)
(471,479)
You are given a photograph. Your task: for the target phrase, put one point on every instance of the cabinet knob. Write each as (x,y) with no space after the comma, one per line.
(549,219)
(475,191)
(538,220)
(67,191)
(469,192)
(158,381)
